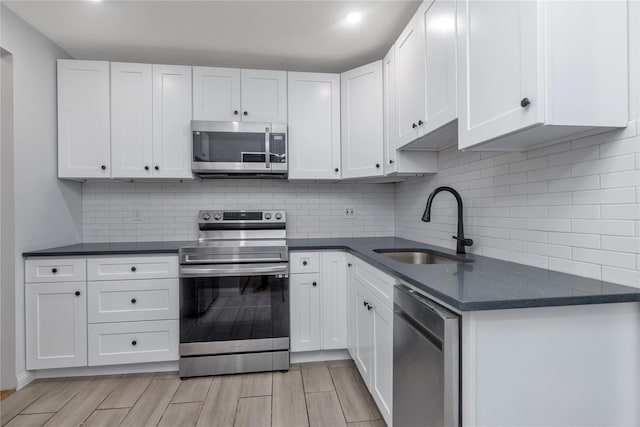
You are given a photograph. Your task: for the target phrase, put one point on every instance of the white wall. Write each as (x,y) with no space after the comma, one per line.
(47,211)
(169,210)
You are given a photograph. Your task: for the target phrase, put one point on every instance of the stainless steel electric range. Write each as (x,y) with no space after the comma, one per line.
(234,295)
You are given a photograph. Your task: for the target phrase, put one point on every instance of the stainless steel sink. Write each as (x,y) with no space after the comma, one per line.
(423,256)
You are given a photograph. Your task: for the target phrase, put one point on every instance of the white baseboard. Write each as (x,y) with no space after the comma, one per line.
(107,370)
(24,378)
(319,356)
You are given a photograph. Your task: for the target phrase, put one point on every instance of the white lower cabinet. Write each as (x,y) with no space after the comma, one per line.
(77,322)
(318,303)
(56,325)
(133,342)
(305,312)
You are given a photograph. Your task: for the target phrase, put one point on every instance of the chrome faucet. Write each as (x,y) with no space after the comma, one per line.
(426,217)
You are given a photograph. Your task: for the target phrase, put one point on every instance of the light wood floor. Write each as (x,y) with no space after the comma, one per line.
(315,394)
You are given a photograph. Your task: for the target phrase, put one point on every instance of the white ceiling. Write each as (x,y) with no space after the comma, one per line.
(289,35)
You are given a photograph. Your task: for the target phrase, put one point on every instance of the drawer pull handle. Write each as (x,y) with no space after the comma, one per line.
(304,262)
(54,270)
(134,342)
(133,301)
(133,269)
(77,293)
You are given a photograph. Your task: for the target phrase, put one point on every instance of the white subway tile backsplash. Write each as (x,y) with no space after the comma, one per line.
(577,210)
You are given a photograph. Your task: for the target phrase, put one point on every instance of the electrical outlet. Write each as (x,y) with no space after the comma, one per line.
(137,214)
(349,212)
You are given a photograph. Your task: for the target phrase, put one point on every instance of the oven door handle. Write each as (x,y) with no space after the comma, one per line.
(225,270)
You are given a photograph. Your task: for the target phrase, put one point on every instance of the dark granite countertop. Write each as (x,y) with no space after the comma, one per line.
(484,284)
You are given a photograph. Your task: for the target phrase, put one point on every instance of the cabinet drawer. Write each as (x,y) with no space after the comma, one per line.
(126,268)
(133,300)
(304,262)
(378,283)
(132,342)
(55,270)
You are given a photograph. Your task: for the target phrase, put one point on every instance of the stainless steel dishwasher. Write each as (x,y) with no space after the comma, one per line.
(426,362)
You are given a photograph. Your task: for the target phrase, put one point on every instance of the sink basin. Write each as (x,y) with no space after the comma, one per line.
(423,256)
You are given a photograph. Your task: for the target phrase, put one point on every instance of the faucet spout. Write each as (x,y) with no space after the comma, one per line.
(426,217)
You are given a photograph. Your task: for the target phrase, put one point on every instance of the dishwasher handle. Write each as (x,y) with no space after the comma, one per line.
(426,313)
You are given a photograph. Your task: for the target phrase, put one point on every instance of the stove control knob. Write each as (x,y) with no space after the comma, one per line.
(217,216)
(267,215)
(278,215)
(206,216)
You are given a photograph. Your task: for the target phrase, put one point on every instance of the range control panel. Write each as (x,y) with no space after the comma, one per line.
(242,216)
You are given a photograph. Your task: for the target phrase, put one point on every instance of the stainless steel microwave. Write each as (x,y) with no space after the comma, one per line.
(239,148)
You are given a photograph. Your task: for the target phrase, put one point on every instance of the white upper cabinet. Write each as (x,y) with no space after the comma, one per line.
(83,119)
(216,94)
(361,121)
(314,125)
(131,120)
(425,81)
(536,72)
(231,94)
(399,163)
(172,121)
(264,96)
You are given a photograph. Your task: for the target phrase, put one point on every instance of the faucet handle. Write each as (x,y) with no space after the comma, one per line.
(465,242)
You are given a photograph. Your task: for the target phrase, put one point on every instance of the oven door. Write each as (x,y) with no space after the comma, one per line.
(234,308)
(227,147)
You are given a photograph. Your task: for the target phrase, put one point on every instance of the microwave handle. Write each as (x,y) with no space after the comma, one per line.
(267,148)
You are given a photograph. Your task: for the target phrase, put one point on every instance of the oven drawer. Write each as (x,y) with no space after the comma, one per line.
(55,270)
(133,300)
(126,268)
(132,342)
(304,262)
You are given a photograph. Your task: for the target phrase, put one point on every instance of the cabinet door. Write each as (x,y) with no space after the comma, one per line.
(382,360)
(361,111)
(172,121)
(498,66)
(363,333)
(333,304)
(439,23)
(216,93)
(264,96)
(390,128)
(352,308)
(410,81)
(131,118)
(56,325)
(305,312)
(314,125)
(83,119)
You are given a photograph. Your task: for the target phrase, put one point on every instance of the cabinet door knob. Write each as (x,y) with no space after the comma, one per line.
(103,167)
(420,122)
(413,125)
(133,300)
(134,342)
(336,169)
(304,262)
(245,113)
(315,284)
(235,112)
(349,265)
(54,270)
(146,168)
(133,269)
(364,303)
(77,293)
(157,167)
(390,161)
(377,165)
(524,103)
(369,307)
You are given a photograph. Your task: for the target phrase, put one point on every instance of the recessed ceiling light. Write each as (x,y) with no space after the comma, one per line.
(354,17)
